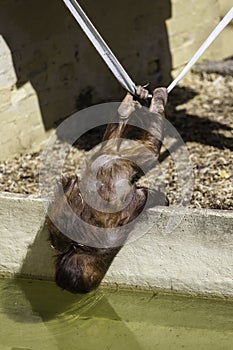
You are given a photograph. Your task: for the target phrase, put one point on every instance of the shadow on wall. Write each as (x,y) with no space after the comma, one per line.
(46,308)
(35,300)
(39,260)
(51,52)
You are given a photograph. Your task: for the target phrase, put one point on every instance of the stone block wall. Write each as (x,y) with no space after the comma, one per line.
(227,34)
(191,23)
(49,69)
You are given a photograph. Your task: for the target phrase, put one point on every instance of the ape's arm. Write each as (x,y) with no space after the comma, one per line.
(152,120)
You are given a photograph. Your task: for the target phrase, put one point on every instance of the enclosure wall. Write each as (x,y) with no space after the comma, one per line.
(49,69)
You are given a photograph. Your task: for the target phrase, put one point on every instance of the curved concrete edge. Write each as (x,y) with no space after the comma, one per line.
(194,257)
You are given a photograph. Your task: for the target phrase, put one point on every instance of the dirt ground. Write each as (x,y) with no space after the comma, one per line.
(201,109)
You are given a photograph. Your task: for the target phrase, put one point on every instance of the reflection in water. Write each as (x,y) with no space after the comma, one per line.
(38,315)
(30,301)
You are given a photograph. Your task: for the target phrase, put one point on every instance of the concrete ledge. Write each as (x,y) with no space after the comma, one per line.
(196,257)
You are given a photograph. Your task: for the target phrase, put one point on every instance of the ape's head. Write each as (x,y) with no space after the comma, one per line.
(80,269)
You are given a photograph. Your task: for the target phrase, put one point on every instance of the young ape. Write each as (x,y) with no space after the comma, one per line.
(117,201)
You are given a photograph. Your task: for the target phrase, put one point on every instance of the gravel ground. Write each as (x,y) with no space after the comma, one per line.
(201,109)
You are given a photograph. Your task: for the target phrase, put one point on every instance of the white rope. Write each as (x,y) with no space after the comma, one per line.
(218,29)
(113,63)
(100,45)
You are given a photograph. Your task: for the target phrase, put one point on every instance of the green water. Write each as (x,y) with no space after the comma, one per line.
(38,315)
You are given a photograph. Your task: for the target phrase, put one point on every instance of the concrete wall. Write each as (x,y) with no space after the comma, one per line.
(48,68)
(195,257)
(227,34)
(189,26)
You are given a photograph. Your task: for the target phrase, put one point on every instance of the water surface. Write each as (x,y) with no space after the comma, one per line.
(38,315)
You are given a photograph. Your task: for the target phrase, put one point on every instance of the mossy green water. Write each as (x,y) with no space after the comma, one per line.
(38,315)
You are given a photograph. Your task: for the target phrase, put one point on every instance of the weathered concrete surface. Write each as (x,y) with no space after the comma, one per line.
(196,257)
(23,240)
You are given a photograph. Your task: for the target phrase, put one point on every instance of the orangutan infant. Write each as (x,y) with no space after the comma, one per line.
(105,216)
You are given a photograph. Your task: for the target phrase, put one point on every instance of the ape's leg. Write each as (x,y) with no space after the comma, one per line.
(127,107)
(118,129)
(153,137)
(145,152)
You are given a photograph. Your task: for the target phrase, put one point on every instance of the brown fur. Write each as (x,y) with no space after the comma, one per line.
(80,268)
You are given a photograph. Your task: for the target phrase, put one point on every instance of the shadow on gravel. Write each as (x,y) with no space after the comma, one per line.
(192,128)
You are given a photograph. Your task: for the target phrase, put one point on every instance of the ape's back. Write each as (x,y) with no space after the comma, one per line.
(89,221)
